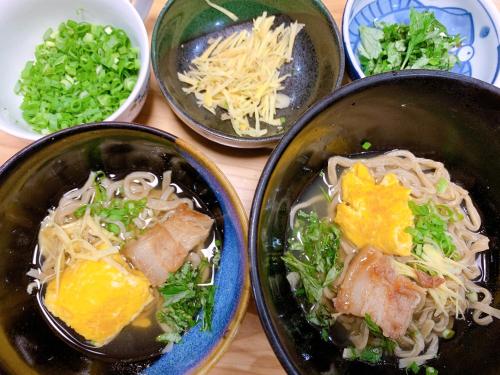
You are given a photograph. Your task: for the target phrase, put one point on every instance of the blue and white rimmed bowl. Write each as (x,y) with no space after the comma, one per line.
(477,22)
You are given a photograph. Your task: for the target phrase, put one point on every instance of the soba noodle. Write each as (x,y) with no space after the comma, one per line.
(64,239)
(436,313)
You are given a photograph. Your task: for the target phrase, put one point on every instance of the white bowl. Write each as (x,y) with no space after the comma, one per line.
(22,25)
(477,21)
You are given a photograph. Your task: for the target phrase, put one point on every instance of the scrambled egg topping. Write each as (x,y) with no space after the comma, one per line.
(375,214)
(97,299)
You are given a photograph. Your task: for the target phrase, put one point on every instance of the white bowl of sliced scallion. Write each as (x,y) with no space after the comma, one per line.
(66,63)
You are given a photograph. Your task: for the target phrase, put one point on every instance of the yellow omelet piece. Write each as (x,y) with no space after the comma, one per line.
(375,214)
(97,299)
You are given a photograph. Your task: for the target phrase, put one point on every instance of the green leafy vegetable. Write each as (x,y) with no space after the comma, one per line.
(81,73)
(388,345)
(423,44)
(313,254)
(369,354)
(372,326)
(183,300)
(431,226)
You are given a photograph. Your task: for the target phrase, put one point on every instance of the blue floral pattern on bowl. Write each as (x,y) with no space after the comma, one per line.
(476,21)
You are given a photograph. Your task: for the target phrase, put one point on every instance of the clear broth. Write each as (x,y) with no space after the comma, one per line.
(133,343)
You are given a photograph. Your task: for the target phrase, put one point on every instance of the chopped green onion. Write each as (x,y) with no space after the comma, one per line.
(413,367)
(448,334)
(282,120)
(472,296)
(431,371)
(441,186)
(386,343)
(369,354)
(366,145)
(372,326)
(81,73)
(80,211)
(327,196)
(113,228)
(431,225)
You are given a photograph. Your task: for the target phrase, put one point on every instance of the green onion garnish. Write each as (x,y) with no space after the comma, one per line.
(366,145)
(448,334)
(81,73)
(441,185)
(431,225)
(413,367)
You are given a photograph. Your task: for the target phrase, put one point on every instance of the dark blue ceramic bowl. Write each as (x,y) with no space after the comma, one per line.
(34,180)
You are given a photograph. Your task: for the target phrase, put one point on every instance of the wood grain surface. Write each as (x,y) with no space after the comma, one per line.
(250,352)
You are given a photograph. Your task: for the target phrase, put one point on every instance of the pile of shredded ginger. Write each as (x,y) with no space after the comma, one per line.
(241,75)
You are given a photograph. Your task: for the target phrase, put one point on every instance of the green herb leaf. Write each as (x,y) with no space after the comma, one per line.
(313,254)
(183,300)
(372,326)
(370,42)
(423,44)
(387,344)
(369,354)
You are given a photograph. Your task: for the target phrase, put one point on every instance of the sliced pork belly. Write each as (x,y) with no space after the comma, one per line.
(189,227)
(164,248)
(372,286)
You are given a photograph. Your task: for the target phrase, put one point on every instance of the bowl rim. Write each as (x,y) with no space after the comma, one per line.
(354,68)
(356,86)
(217,135)
(17,130)
(223,342)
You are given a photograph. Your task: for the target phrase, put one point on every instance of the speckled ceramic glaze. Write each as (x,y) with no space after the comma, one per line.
(442,116)
(184,27)
(35,179)
(476,21)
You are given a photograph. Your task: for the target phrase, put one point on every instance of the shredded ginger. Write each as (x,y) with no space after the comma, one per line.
(241,75)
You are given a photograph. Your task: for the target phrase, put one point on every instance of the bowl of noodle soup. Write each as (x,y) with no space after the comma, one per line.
(374,230)
(125,252)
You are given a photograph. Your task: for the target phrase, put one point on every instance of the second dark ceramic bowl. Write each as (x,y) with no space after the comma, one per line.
(443,116)
(34,180)
(184,27)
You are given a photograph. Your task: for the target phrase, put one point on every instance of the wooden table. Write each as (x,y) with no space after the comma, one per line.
(250,352)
